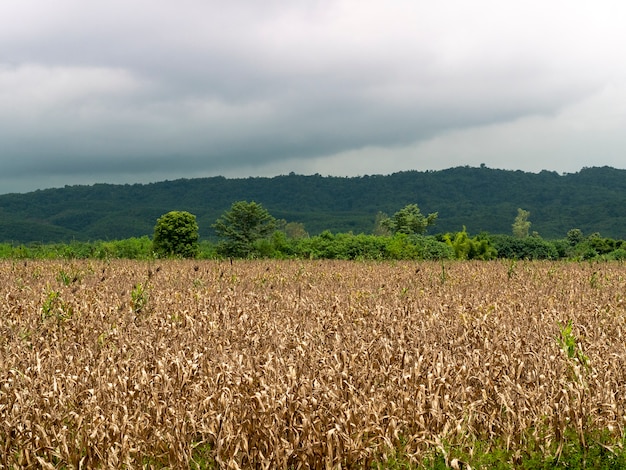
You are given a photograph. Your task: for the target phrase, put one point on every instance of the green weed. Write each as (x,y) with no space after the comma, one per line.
(54,307)
(139,298)
(569,344)
(67,278)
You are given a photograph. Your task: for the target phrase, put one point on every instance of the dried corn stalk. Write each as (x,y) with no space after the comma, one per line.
(295,364)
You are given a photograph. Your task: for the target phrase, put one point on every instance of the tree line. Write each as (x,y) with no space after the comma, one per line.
(483,199)
(248,230)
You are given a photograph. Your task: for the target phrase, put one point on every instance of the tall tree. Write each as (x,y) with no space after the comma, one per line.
(241,226)
(379,225)
(295,230)
(575,236)
(176,234)
(409,220)
(521,225)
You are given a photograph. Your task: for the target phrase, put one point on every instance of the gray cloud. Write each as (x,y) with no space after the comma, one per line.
(141,91)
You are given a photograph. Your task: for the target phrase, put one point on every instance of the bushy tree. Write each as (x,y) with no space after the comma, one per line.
(379,225)
(409,221)
(241,227)
(295,230)
(176,234)
(575,236)
(470,248)
(511,247)
(521,225)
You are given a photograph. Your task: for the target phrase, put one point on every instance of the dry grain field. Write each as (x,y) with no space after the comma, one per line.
(304,364)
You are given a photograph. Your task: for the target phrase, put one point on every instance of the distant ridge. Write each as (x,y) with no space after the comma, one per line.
(481,199)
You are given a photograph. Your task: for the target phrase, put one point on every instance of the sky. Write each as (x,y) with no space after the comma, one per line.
(136,91)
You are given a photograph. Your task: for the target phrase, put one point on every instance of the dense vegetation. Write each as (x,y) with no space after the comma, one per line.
(481,199)
(176,234)
(347,246)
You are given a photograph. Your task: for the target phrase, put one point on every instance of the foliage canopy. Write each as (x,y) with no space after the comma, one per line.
(241,227)
(482,199)
(176,234)
(410,221)
(521,225)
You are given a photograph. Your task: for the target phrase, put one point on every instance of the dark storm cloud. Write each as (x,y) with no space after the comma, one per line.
(118,91)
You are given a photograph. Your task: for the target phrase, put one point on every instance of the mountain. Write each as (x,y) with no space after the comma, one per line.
(481,199)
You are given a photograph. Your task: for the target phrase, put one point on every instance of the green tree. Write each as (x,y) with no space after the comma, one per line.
(379,229)
(521,225)
(176,234)
(510,247)
(295,230)
(465,247)
(575,236)
(409,221)
(241,226)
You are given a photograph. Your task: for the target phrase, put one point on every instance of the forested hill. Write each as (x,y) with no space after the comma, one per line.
(481,199)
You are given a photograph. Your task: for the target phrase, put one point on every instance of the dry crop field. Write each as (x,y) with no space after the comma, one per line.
(305,364)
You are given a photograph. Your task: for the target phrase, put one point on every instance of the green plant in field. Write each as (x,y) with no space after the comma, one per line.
(395,459)
(600,450)
(54,307)
(511,270)
(66,278)
(49,304)
(396,462)
(139,297)
(20,284)
(202,458)
(569,344)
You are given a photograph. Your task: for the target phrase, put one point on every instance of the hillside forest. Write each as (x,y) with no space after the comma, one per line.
(577,216)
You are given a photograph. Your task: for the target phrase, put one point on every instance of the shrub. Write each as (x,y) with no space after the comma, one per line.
(176,234)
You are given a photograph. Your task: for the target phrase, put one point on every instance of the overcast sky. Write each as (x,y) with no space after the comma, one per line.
(126,91)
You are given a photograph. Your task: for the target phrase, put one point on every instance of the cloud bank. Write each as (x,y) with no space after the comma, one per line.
(136,91)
